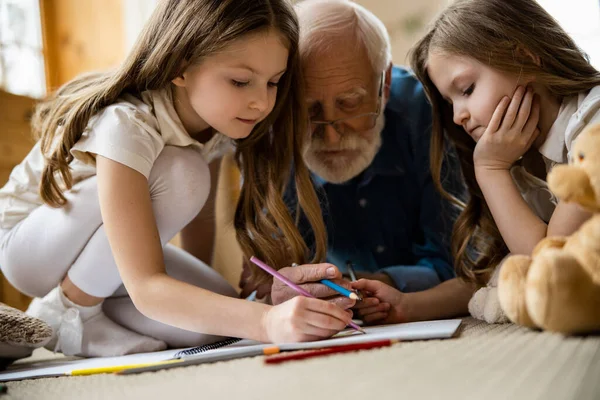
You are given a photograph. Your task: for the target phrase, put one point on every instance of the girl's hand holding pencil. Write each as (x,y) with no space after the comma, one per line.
(303,319)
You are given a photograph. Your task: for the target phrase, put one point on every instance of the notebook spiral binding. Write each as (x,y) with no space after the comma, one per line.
(206,347)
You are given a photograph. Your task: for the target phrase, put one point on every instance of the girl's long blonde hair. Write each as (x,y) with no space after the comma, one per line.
(183,32)
(507,35)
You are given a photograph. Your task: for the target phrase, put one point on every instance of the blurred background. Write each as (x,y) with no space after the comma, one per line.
(45,43)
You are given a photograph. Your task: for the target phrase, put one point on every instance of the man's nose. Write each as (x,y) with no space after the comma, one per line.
(331,136)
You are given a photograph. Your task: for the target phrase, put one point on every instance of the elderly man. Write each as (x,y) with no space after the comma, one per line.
(369,152)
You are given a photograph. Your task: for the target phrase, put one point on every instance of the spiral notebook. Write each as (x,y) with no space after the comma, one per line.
(207,347)
(230,348)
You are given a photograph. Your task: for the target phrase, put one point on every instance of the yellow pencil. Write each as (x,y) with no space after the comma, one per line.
(117,368)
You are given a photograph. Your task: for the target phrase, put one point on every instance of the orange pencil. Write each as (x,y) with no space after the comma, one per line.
(329,350)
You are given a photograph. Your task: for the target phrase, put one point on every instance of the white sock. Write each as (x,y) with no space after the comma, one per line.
(87,331)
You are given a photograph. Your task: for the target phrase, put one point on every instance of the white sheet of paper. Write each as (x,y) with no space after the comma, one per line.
(441,329)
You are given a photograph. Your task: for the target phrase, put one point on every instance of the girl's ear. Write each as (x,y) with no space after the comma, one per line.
(527,54)
(388,81)
(180,79)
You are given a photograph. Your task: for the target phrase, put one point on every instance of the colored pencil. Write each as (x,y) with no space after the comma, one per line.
(291,284)
(117,368)
(329,350)
(252,351)
(340,289)
(350,269)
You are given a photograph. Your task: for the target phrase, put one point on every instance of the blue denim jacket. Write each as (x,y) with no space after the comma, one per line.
(391,217)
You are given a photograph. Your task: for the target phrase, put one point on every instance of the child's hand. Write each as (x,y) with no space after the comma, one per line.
(384,304)
(510,132)
(303,319)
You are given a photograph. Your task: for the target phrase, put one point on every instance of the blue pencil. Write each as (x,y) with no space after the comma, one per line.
(341,290)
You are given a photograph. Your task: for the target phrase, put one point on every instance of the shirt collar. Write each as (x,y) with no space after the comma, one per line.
(175,134)
(554,147)
(171,127)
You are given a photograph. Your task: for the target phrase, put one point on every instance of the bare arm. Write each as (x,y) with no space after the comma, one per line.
(448,299)
(135,243)
(198,237)
(389,305)
(133,236)
(509,134)
(520,228)
(567,218)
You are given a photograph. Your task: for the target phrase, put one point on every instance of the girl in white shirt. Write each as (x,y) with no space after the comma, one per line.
(122,166)
(512,91)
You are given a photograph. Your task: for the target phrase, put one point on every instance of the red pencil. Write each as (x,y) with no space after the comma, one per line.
(329,350)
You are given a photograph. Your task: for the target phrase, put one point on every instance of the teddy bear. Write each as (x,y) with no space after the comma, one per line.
(558,287)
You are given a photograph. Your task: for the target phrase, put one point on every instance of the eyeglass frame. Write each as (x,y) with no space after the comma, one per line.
(335,121)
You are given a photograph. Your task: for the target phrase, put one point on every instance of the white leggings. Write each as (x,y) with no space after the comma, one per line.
(50,243)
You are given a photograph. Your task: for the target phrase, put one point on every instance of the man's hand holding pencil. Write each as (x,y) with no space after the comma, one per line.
(308,277)
(309,316)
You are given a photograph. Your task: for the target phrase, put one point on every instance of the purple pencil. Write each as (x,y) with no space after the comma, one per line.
(291,284)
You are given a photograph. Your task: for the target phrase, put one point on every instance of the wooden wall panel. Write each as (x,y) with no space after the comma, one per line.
(15,143)
(78,36)
(81,36)
(15,136)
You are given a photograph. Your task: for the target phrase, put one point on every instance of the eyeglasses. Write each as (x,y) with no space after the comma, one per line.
(354,124)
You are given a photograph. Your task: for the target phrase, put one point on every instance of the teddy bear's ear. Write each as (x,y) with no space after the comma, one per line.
(579,182)
(587,145)
(586,155)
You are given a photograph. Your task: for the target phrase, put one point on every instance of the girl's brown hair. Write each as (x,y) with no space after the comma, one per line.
(183,32)
(503,34)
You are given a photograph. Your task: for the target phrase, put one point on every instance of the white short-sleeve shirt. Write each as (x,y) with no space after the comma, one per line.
(132,131)
(576,112)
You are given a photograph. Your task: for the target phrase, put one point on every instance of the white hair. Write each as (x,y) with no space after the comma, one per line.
(324,22)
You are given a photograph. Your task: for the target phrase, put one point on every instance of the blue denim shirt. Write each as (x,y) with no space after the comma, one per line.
(390,216)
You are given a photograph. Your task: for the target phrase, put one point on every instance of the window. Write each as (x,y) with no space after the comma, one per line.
(21,52)
(581,20)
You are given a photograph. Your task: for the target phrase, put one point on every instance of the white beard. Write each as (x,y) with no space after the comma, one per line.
(341,169)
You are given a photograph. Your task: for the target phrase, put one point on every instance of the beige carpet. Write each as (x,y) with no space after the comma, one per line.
(483,362)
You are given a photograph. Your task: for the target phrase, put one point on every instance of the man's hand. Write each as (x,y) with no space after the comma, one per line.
(382,303)
(307,277)
(248,286)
